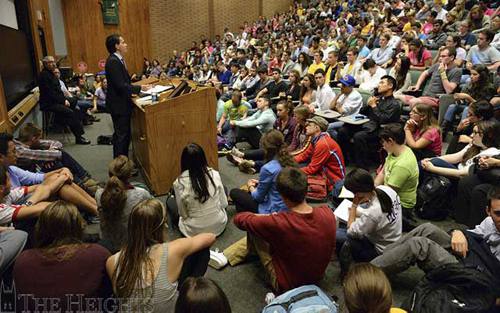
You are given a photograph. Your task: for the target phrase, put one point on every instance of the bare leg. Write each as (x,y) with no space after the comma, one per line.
(71,194)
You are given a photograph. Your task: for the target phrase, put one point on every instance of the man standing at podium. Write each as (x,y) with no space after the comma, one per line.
(119,95)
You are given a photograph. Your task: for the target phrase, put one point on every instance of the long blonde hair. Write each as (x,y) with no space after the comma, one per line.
(145,229)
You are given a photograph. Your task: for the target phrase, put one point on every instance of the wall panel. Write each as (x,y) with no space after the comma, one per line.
(86,32)
(233,13)
(269,8)
(175,24)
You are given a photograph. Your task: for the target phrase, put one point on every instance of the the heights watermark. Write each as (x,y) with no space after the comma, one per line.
(11,301)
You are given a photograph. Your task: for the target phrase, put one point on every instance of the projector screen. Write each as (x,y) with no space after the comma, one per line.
(8,14)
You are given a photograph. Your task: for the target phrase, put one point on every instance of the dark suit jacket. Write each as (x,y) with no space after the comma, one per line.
(50,90)
(119,95)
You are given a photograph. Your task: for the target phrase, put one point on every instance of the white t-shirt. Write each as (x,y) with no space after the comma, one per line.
(352,103)
(380,228)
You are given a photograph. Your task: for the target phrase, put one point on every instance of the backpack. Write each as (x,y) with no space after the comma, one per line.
(452,288)
(433,197)
(305,299)
(317,188)
(105,140)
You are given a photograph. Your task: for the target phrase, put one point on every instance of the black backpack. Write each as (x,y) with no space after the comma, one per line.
(452,288)
(433,197)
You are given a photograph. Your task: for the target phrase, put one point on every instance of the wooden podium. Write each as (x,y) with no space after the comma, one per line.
(161,131)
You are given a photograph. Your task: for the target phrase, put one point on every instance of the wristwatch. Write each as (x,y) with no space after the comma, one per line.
(28,203)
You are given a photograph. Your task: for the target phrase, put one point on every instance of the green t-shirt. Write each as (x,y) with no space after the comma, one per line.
(402,173)
(234,113)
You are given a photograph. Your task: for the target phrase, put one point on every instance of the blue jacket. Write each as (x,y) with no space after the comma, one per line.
(266,194)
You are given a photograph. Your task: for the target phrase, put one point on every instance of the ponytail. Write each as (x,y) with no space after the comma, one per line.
(384,200)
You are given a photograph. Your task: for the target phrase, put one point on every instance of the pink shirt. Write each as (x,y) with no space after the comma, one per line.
(434,136)
(426,55)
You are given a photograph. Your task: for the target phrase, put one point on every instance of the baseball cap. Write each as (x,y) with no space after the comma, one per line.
(348,81)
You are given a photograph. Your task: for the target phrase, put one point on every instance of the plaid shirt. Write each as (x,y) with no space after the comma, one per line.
(48,150)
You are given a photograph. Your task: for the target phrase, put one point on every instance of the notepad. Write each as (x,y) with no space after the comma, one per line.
(342,211)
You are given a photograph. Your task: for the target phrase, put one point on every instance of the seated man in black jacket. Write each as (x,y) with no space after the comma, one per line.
(382,108)
(52,99)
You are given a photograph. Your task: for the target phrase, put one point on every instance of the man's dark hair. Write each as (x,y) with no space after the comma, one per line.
(291,183)
(434,14)
(489,34)
(393,131)
(235,64)
(276,69)
(493,194)
(111,42)
(391,81)
(4,143)
(320,71)
(440,22)
(369,64)
(262,70)
(354,50)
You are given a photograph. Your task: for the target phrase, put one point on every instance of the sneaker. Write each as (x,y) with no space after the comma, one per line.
(246,166)
(237,153)
(223,152)
(217,259)
(269,298)
(235,160)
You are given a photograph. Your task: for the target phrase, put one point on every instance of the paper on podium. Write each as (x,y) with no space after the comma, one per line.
(342,211)
(345,193)
(158,89)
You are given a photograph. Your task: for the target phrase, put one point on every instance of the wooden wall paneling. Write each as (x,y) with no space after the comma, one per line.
(41,6)
(4,117)
(175,24)
(86,32)
(233,13)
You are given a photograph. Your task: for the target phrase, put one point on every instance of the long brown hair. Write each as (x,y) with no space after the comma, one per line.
(274,145)
(367,289)
(60,224)
(485,127)
(145,229)
(114,196)
(429,121)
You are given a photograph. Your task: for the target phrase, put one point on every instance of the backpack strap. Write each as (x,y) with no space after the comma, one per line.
(296,298)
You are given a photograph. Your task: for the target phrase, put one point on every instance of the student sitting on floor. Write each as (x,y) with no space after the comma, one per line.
(22,203)
(252,127)
(62,267)
(430,247)
(116,201)
(48,155)
(200,294)
(374,220)
(323,155)
(367,289)
(199,202)
(422,132)
(295,246)
(19,177)
(262,196)
(400,171)
(148,269)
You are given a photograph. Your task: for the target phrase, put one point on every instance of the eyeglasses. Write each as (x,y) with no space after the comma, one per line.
(477,132)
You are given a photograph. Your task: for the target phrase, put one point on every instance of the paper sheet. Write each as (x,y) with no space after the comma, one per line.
(157,89)
(342,211)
